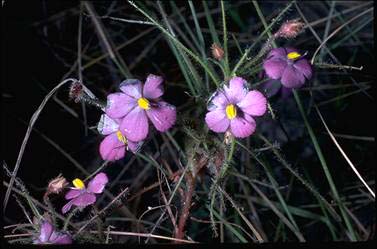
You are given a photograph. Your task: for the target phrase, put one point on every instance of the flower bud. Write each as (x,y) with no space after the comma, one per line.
(56,185)
(76,91)
(290,29)
(217,51)
(228,137)
(78,94)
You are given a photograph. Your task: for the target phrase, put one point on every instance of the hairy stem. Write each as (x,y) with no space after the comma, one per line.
(190,181)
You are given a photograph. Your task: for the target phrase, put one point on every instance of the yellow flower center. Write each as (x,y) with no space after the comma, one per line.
(78,183)
(293,55)
(121,138)
(231,111)
(143,103)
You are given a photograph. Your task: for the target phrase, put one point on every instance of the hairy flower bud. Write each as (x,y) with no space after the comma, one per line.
(290,29)
(78,94)
(56,185)
(76,91)
(217,51)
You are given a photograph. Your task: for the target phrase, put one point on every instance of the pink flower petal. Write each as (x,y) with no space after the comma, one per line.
(107,125)
(236,90)
(254,103)
(217,120)
(292,78)
(163,116)
(73,193)
(271,87)
(277,53)
(242,127)
(218,100)
(153,87)
(131,87)
(111,148)
(46,231)
(84,200)
(304,67)
(135,125)
(97,184)
(134,146)
(274,68)
(67,207)
(60,238)
(119,104)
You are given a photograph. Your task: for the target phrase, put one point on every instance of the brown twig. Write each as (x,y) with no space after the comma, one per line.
(102,210)
(148,235)
(172,218)
(190,181)
(27,135)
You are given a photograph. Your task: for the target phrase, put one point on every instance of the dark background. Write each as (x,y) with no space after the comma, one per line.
(32,67)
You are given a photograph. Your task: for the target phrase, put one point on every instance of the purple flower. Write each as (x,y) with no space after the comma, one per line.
(48,235)
(137,103)
(114,145)
(81,196)
(273,87)
(288,66)
(232,107)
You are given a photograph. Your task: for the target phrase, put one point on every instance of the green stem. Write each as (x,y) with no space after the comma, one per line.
(178,43)
(69,218)
(225,40)
(261,16)
(267,28)
(325,167)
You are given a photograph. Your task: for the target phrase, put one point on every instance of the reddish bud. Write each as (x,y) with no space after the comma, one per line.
(217,51)
(56,185)
(228,137)
(290,29)
(76,91)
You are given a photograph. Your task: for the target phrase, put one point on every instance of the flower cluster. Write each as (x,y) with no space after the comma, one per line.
(287,65)
(82,196)
(48,235)
(114,145)
(232,108)
(127,113)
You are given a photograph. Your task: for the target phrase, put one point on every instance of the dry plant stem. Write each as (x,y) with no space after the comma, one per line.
(150,187)
(101,211)
(344,154)
(252,228)
(336,31)
(37,203)
(103,36)
(122,208)
(147,235)
(79,69)
(334,66)
(352,137)
(357,222)
(278,213)
(190,181)
(18,235)
(27,135)
(119,47)
(172,218)
(170,199)
(328,50)
(326,170)
(117,233)
(220,222)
